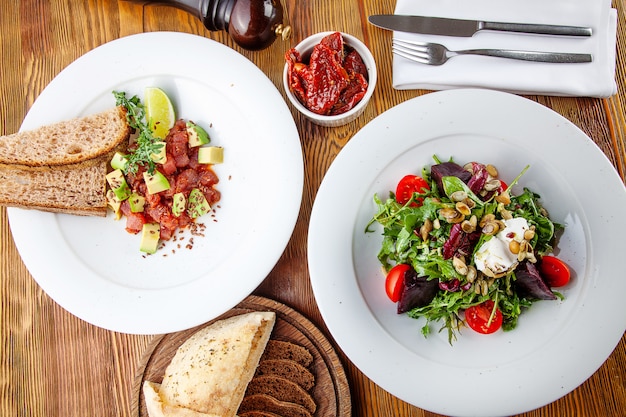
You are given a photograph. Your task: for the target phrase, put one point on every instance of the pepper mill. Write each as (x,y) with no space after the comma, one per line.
(253,24)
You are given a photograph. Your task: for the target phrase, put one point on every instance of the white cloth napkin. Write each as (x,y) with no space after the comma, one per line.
(595,79)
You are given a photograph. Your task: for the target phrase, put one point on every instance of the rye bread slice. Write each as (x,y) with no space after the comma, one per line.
(288,369)
(257,413)
(282,389)
(279,349)
(264,402)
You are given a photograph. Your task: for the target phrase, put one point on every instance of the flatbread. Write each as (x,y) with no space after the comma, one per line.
(209,373)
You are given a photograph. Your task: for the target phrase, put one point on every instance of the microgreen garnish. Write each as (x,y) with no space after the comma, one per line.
(146,144)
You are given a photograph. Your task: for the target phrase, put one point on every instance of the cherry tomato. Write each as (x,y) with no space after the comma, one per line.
(408,185)
(503,186)
(554,271)
(477,318)
(395,281)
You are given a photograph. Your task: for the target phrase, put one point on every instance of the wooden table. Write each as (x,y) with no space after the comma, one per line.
(53,364)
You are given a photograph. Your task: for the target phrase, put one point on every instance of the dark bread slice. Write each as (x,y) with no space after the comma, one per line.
(257,413)
(279,349)
(288,369)
(270,404)
(282,389)
(67,142)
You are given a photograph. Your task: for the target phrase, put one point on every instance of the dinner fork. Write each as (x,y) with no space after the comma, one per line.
(436,54)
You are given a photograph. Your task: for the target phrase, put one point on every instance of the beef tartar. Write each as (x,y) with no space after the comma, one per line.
(184,174)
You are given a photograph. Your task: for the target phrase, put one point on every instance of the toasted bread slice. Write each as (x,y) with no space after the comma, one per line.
(211,370)
(73,189)
(67,142)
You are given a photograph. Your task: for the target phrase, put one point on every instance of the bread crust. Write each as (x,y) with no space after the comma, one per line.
(39,169)
(266,402)
(288,369)
(77,189)
(67,142)
(209,373)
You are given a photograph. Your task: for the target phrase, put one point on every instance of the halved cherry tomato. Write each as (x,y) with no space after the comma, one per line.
(554,271)
(477,318)
(395,281)
(408,185)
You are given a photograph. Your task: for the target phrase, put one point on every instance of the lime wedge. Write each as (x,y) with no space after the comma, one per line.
(159,111)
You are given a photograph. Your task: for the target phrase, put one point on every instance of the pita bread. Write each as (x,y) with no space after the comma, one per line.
(209,373)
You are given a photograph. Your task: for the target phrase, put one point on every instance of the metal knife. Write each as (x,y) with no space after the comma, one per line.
(467,28)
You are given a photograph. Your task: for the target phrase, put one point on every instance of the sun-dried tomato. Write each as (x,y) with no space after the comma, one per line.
(353,63)
(329,79)
(334,80)
(351,95)
(335,42)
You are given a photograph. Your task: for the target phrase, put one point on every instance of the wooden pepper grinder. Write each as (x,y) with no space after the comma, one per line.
(253,24)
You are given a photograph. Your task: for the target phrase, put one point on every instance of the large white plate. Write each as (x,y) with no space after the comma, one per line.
(557,345)
(93,268)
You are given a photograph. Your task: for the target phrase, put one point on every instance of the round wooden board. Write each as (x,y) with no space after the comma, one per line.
(331,391)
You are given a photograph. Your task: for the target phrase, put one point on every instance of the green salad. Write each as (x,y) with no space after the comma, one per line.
(459,249)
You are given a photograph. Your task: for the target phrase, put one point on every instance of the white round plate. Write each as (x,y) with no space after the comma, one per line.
(93,268)
(557,345)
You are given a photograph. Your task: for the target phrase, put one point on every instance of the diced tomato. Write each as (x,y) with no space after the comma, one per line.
(484,318)
(408,185)
(395,281)
(554,271)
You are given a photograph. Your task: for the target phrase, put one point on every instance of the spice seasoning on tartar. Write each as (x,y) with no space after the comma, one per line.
(334,79)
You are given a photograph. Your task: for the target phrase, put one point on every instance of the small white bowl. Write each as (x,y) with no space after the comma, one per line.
(305,48)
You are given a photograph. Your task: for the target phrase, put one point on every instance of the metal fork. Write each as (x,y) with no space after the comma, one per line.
(436,54)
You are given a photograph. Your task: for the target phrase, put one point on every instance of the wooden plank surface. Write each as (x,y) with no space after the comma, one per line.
(54,364)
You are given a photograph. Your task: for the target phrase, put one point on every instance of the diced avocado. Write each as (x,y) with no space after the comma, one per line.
(156,182)
(179,203)
(114,203)
(211,155)
(150,233)
(197,135)
(198,205)
(137,202)
(119,161)
(159,157)
(118,184)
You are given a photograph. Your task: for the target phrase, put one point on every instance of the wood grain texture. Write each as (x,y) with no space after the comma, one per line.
(53,364)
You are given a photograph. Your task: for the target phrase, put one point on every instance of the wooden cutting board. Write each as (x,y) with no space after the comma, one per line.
(331,391)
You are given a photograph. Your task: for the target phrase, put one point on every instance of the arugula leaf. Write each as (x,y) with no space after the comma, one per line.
(528,206)
(146,143)
(453,184)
